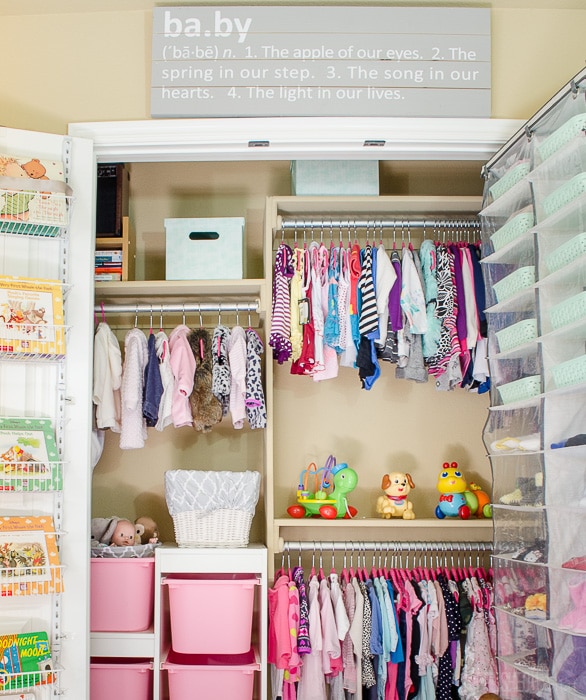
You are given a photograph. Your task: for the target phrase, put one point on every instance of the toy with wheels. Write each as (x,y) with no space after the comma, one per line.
(456,499)
(328,499)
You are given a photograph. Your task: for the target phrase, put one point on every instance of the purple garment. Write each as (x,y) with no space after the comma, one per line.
(460,296)
(153,385)
(303,640)
(395,311)
(573,670)
(281,314)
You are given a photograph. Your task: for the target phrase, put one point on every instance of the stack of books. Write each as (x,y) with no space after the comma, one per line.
(108,266)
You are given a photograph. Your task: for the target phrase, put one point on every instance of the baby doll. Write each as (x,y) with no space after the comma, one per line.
(117,532)
(123,535)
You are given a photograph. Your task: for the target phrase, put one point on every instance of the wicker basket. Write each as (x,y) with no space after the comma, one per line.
(220,528)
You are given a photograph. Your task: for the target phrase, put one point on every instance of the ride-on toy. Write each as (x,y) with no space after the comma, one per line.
(331,484)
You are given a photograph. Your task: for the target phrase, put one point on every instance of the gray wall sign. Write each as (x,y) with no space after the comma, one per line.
(241,61)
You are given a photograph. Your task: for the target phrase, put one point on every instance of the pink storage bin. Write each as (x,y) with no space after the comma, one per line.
(122,594)
(219,677)
(116,678)
(211,615)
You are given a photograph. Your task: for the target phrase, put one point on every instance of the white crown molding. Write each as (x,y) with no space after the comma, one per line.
(296,138)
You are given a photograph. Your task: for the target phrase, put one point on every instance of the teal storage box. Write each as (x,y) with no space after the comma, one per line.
(204,249)
(334,177)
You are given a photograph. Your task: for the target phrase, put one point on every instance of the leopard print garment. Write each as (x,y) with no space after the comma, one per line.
(256,410)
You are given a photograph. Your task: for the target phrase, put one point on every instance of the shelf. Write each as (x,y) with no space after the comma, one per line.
(123,644)
(361,529)
(179,291)
(126,243)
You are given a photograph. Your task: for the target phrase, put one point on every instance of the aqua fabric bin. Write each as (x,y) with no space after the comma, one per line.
(335,177)
(204,249)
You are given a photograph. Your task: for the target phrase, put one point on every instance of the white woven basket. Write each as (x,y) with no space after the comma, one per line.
(224,527)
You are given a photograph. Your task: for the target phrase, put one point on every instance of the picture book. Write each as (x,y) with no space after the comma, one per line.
(29,457)
(25,662)
(29,558)
(31,317)
(33,191)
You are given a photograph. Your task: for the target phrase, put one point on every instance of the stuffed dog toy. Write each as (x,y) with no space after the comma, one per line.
(394,504)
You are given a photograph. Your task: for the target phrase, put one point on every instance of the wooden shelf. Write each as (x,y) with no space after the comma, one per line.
(126,243)
(375,529)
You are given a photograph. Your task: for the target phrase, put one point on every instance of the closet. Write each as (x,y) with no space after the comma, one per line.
(533,224)
(284,448)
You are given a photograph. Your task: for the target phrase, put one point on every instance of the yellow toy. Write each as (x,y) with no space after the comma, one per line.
(394,504)
(456,500)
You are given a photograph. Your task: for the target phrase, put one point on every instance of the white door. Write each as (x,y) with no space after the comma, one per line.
(59,390)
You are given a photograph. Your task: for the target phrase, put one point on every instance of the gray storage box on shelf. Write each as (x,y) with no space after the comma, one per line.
(212,508)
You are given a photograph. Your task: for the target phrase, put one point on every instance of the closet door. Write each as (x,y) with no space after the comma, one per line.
(51,385)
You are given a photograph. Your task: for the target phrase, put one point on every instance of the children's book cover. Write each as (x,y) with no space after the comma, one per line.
(32,190)
(31,317)
(29,456)
(26,662)
(29,558)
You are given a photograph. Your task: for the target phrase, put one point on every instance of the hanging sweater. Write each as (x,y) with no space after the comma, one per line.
(107,378)
(237,357)
(167,378)
(183,366)
(133,431)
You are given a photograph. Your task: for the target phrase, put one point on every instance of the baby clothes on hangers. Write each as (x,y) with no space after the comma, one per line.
(183,366)
(279,339)
(237,357)
(107,378)
(133,431)
(312,685)
(153,384)
(205,407)
(168,380)
(221,376)
(256,411)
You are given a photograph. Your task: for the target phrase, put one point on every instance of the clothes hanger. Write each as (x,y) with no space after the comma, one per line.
(344,572)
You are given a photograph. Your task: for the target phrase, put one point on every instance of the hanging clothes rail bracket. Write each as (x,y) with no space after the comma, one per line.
(224,307)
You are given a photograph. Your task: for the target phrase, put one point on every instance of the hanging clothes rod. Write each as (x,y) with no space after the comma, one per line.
(378,223)
(178,308)
(434,547)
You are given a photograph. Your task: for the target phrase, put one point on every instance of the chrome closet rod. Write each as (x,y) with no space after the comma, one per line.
(433,547)
(206,307)
(377,223)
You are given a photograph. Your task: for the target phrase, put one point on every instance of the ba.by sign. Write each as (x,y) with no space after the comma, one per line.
(320,61)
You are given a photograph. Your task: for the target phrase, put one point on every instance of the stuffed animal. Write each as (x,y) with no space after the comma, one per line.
(394,504)
(146,530)
(456,499)
(116,532)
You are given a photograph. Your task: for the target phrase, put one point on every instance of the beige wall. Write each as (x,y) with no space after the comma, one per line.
(94,65)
